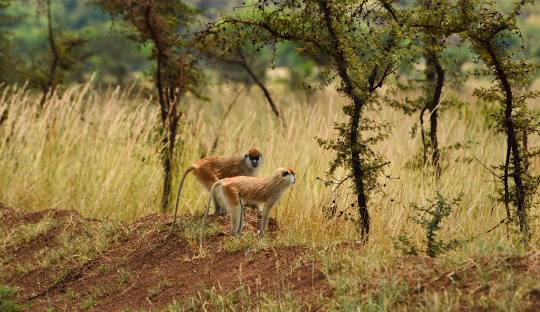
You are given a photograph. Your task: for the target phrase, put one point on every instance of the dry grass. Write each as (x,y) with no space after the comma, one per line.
(98,153)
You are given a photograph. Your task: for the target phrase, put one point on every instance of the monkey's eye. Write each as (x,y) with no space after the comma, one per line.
(285,173)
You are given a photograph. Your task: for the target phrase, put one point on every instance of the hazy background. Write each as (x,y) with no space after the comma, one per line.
(117,60)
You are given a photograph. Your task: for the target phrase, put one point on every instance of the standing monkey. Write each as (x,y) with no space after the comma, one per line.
(212,168)
(237,191)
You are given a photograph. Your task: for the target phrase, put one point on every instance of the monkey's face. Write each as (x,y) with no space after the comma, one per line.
(288,175)
(253,158)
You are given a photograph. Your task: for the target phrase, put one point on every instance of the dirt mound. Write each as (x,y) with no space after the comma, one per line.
(63,261)
(75,263)
(28,235)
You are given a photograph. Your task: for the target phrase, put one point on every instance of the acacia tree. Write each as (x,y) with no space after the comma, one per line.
(434,21)
(363,47)
(66,56)
(8,60)
(490,32)
(429,18)
(227,46)
(166,25)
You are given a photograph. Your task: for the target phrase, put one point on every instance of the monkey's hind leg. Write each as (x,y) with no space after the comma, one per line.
(219,211)
(236,219)
(208,178)
(232,202)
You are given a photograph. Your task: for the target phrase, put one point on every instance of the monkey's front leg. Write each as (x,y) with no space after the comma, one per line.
(242,212)
(264,220)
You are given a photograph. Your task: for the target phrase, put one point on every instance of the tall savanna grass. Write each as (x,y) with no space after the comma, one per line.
(97,152)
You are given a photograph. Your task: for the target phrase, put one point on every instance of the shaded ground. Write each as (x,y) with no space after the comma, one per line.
(58,259)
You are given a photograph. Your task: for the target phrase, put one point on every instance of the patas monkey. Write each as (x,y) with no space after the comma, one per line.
(212,168)
(236,191)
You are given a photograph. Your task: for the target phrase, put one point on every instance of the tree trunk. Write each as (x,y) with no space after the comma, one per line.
(433,105)
(505,181)
(169,118)
(258,82)
(163,105)
(356,116)
(50,85)
(167,178)
(169,134)
(357,170)
(168,154)
(512,141)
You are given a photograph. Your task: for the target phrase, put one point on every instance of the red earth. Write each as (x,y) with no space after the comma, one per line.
(78,263)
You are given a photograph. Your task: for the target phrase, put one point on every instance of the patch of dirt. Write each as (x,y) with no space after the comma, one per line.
(136,266)
(142,269)
(23,253)
(22,261)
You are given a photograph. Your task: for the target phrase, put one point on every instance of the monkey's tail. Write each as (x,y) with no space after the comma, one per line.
(188,170)
(210,196)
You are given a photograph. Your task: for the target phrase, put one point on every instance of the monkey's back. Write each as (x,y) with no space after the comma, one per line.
(250,188)
(224,167)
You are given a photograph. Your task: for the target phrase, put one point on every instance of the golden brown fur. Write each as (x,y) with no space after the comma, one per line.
(236,191)
(212,168)
(256,189)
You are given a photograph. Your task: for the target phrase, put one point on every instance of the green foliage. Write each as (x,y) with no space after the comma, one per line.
(360,45)
(88,303)
(304,73)
(454,57)
(6,303)
(236,244)
(8,59)
(404,244)
(430,218)
(231,49)
(167,26)
(117,60)
(60,59)
(108,51)
(236,45)
(71,56)
(491,35)
(354,45)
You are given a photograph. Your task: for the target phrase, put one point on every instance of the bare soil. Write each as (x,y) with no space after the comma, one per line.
(143,269)
(100,265)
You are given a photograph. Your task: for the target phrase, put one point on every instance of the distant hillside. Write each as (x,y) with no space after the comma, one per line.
(117,60)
